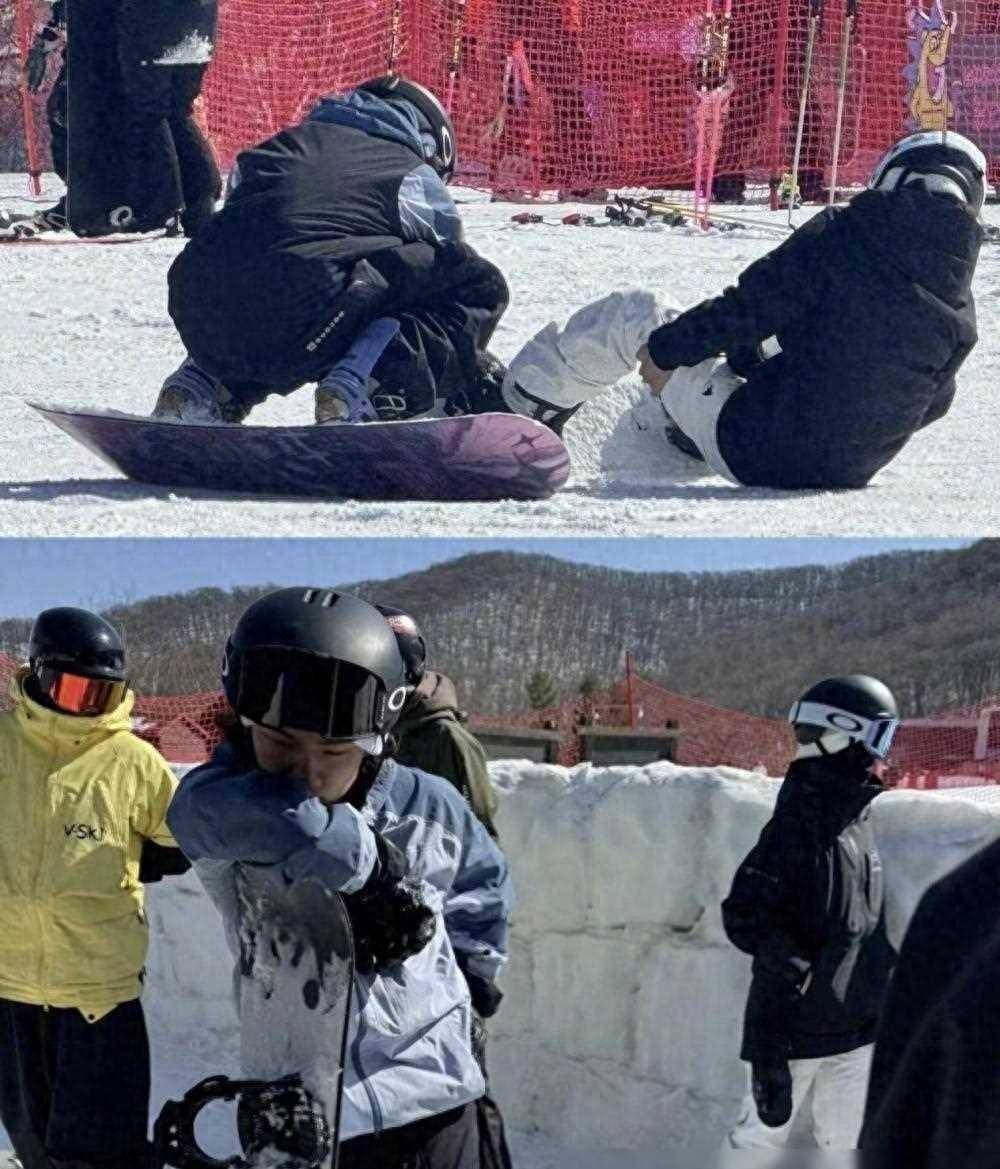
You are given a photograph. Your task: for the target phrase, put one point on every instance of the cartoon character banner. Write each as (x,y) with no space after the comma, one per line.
(953,74)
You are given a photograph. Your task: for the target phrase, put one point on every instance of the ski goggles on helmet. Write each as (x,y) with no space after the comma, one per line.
(876,734)
(76,694)
(284,688)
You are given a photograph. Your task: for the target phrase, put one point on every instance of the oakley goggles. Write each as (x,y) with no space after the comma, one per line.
(876,733)
(279,687)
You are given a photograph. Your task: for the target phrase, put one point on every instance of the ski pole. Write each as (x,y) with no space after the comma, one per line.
(700,113)
(455,63)
(23,26)
(850,16)
(720,103)
(815,13)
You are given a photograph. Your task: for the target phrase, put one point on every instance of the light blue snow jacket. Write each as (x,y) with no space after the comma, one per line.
(409,1052)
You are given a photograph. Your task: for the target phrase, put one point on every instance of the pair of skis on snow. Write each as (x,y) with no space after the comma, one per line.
(295,1003)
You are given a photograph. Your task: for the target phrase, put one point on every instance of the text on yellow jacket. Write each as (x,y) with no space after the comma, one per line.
(78,796)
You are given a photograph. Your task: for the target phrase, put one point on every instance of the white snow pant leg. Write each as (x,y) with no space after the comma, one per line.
(596,347)
(751,1132)
(694,397)
(839,1098)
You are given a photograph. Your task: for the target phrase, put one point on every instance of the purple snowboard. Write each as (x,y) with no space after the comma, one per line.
(472,457)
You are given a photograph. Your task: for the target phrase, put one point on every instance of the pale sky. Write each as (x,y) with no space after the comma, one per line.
(35,574)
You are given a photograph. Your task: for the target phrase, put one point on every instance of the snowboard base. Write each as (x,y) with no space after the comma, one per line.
(470,458)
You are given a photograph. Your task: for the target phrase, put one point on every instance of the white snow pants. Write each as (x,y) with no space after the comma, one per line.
(596,347)
(694,397)
(838,1083)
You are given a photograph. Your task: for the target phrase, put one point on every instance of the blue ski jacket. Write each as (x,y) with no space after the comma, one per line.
(409,1048)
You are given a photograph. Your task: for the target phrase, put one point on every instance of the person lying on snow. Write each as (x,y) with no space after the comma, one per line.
(871,306)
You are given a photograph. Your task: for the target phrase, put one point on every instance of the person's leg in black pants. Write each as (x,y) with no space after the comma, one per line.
(201,182)
(449,1140)
(25,1081)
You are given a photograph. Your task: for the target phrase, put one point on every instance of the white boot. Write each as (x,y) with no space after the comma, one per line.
(191,395)
(561,368)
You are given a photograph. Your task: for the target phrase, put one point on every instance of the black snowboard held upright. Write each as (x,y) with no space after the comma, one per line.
(297,975)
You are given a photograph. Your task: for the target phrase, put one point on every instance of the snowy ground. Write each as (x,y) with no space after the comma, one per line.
(87,324)
(619,1033)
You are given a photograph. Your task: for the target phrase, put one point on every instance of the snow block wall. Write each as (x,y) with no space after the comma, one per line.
(624,999)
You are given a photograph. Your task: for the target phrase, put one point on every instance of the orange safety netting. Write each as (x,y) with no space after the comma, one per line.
(577,94)
(953,749)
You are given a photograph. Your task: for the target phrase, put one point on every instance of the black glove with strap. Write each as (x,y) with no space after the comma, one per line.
(388,916)
(771,1085)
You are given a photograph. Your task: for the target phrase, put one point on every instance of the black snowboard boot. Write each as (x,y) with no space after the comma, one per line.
(52,218)
(486,396)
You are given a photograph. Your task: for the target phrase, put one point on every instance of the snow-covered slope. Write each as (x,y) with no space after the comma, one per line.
(620,1027)
(86,324)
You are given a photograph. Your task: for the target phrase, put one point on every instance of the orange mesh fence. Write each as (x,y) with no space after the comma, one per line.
(956,748)
(709,735)
(577,94)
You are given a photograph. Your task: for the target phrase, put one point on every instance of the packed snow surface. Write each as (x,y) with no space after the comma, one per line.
(86,324)
(621,1023)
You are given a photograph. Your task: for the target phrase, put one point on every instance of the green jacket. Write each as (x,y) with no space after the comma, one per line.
(433,738)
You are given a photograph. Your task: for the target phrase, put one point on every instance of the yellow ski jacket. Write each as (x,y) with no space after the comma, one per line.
(78,795)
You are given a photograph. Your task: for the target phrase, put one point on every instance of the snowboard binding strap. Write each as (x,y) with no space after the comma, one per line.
(279,1115)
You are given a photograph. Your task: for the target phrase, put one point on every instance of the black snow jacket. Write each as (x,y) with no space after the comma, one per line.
(872,307)
(807,904)
(331,223)
(934,1092)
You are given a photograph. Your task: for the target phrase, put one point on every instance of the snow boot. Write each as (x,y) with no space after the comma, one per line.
(495,391)
(191,395)
(52,218)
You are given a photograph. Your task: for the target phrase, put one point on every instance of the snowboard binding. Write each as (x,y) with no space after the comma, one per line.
(273,1116)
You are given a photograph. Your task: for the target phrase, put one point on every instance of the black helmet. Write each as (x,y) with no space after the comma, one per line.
(431,114)
(838,712)
(79,642)
(410,641)
(314,660)
(78,661)
(939,161)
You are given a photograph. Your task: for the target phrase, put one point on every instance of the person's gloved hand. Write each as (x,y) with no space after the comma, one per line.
(36,63)
(389,918)
(771,1085)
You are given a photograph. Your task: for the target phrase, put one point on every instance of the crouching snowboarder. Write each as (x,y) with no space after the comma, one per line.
(305,786)
(872,309)
(807,904)
(339,259)
(82,807)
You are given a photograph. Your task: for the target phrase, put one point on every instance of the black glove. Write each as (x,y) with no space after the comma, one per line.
(388,916)
(37,60)
(157,861)
(771,1085)
(743,359)
(486,995)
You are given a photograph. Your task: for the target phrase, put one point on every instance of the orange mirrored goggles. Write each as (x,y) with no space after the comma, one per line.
(78,695)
